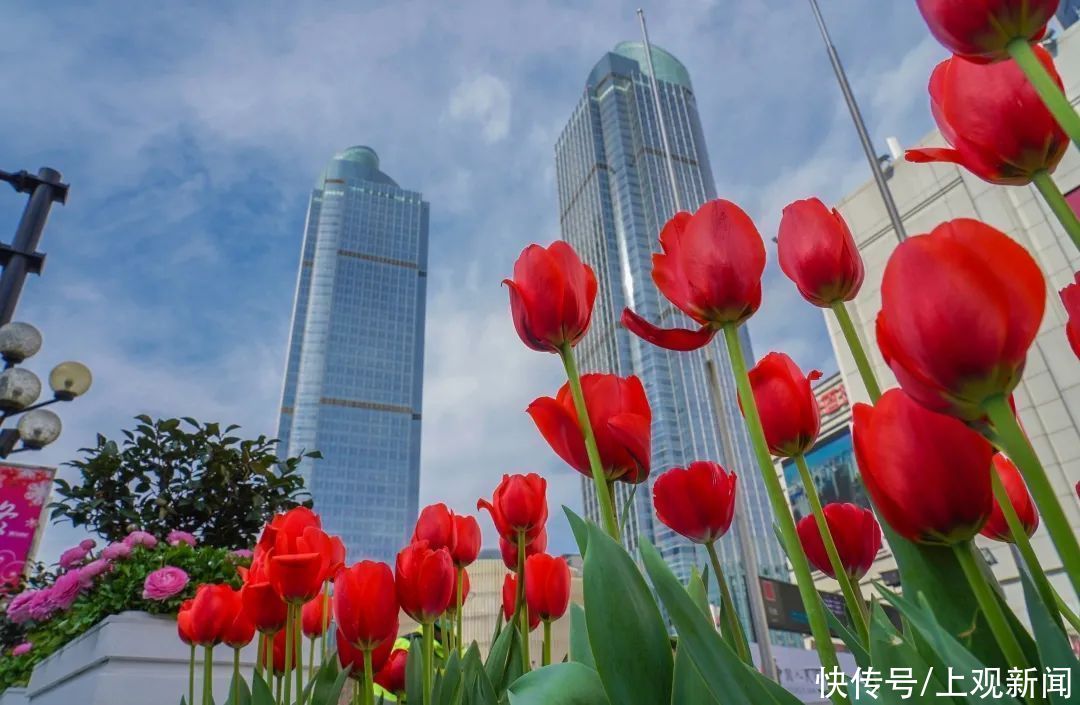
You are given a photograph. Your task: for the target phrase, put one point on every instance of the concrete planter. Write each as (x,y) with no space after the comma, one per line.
(132,658)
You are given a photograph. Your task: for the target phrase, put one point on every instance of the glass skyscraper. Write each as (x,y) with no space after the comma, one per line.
(1068,12)
(356,354)
(614,197)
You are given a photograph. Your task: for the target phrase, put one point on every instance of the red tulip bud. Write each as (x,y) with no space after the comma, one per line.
(698,502)
(547,586)
(466,540)
(425,581)
(392,675)
(786,403)
(519,504)
(551,296)
(818,253)
(365,604)
(982,29)
(1070,296)
(352,658)
(312,617)
(855,532)
(509,550)
(996,528)
(436,526)
(509,595)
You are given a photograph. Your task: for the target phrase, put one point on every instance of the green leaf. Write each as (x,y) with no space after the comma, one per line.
(688,686)
(562,684)
(480,690)
(696,588)
(580,651)
(260,692)
(888,650)
(450,683)
(239,688)
(328,682)
(580,528)
(1054,650)
(854,645)
(946,648)
(504,660)
(728,679)
(414,675)
(630,642)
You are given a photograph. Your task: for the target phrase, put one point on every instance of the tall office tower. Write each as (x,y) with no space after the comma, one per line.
(356,353)
(1068,12)
(614,197)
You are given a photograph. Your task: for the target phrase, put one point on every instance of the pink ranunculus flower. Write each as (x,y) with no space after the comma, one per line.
(176,537)
(116,550)
(164,583)
(18,610)
(87,544)
(140,538)
(73,557)
(92,570)
(23,648)
(40,606)
(65,591)
(244,553)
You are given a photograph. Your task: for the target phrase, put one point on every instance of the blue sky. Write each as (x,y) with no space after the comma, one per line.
(192,133)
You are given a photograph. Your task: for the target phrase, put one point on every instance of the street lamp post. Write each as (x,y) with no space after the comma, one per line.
(19,387)
(21,256)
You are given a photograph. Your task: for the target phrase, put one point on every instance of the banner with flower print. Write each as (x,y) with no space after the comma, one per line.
(24,492)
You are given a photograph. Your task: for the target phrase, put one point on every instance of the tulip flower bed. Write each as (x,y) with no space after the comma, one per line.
(139,573)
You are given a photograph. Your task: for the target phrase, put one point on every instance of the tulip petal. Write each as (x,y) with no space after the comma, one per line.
(933,154)
(519,311)
(632,432)
(560,429)
(680,339)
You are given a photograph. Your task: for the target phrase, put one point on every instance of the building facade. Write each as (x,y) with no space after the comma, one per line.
(615,195)
(353,380)
(1048,398)
(1068,12)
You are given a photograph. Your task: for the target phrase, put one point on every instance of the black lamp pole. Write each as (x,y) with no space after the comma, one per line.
(21,256)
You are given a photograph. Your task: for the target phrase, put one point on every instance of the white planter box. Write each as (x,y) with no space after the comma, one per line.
(14,696)
(132,658)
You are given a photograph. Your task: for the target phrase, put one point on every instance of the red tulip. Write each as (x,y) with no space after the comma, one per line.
(467,540)
(998,126)
(425,581)
(928,474)
(698,502)
(855,532)
(710,268)
(959,309)
(436,526)
(183,621)
(299,553)
(818,253)
(509,600)
(519,504)
(211,613)
(509,551)
(352,658)
(981,30)
(1070,296)
(392,675)
(365,604)
(547,586)
(787,405)
(621,422)
(551,296)
(312,617)
(337,558)
(240,630)
(996,528)
(263,605)
(277,643)
(464,592)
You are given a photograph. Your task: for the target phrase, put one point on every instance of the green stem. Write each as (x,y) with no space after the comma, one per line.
(545,658)
(429,659)
(1023,545)
(1070,616)
(288,652)
(311,658)
(278,697)
(815,610)
(732,630)
(259,649)
(991,608)
(369,679)
(208,676)
(268,659)
(1056,200)
(521,610)
(855,604)
(298,642)
(603,494)
(325,622)
(235,676)
(191,677)
(1047,88)
(460,606)
(1016,445)
(858,351)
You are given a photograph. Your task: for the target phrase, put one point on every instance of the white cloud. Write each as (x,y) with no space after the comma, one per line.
(485,101)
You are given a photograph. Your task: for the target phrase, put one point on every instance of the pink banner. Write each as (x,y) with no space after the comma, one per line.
(24,492)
